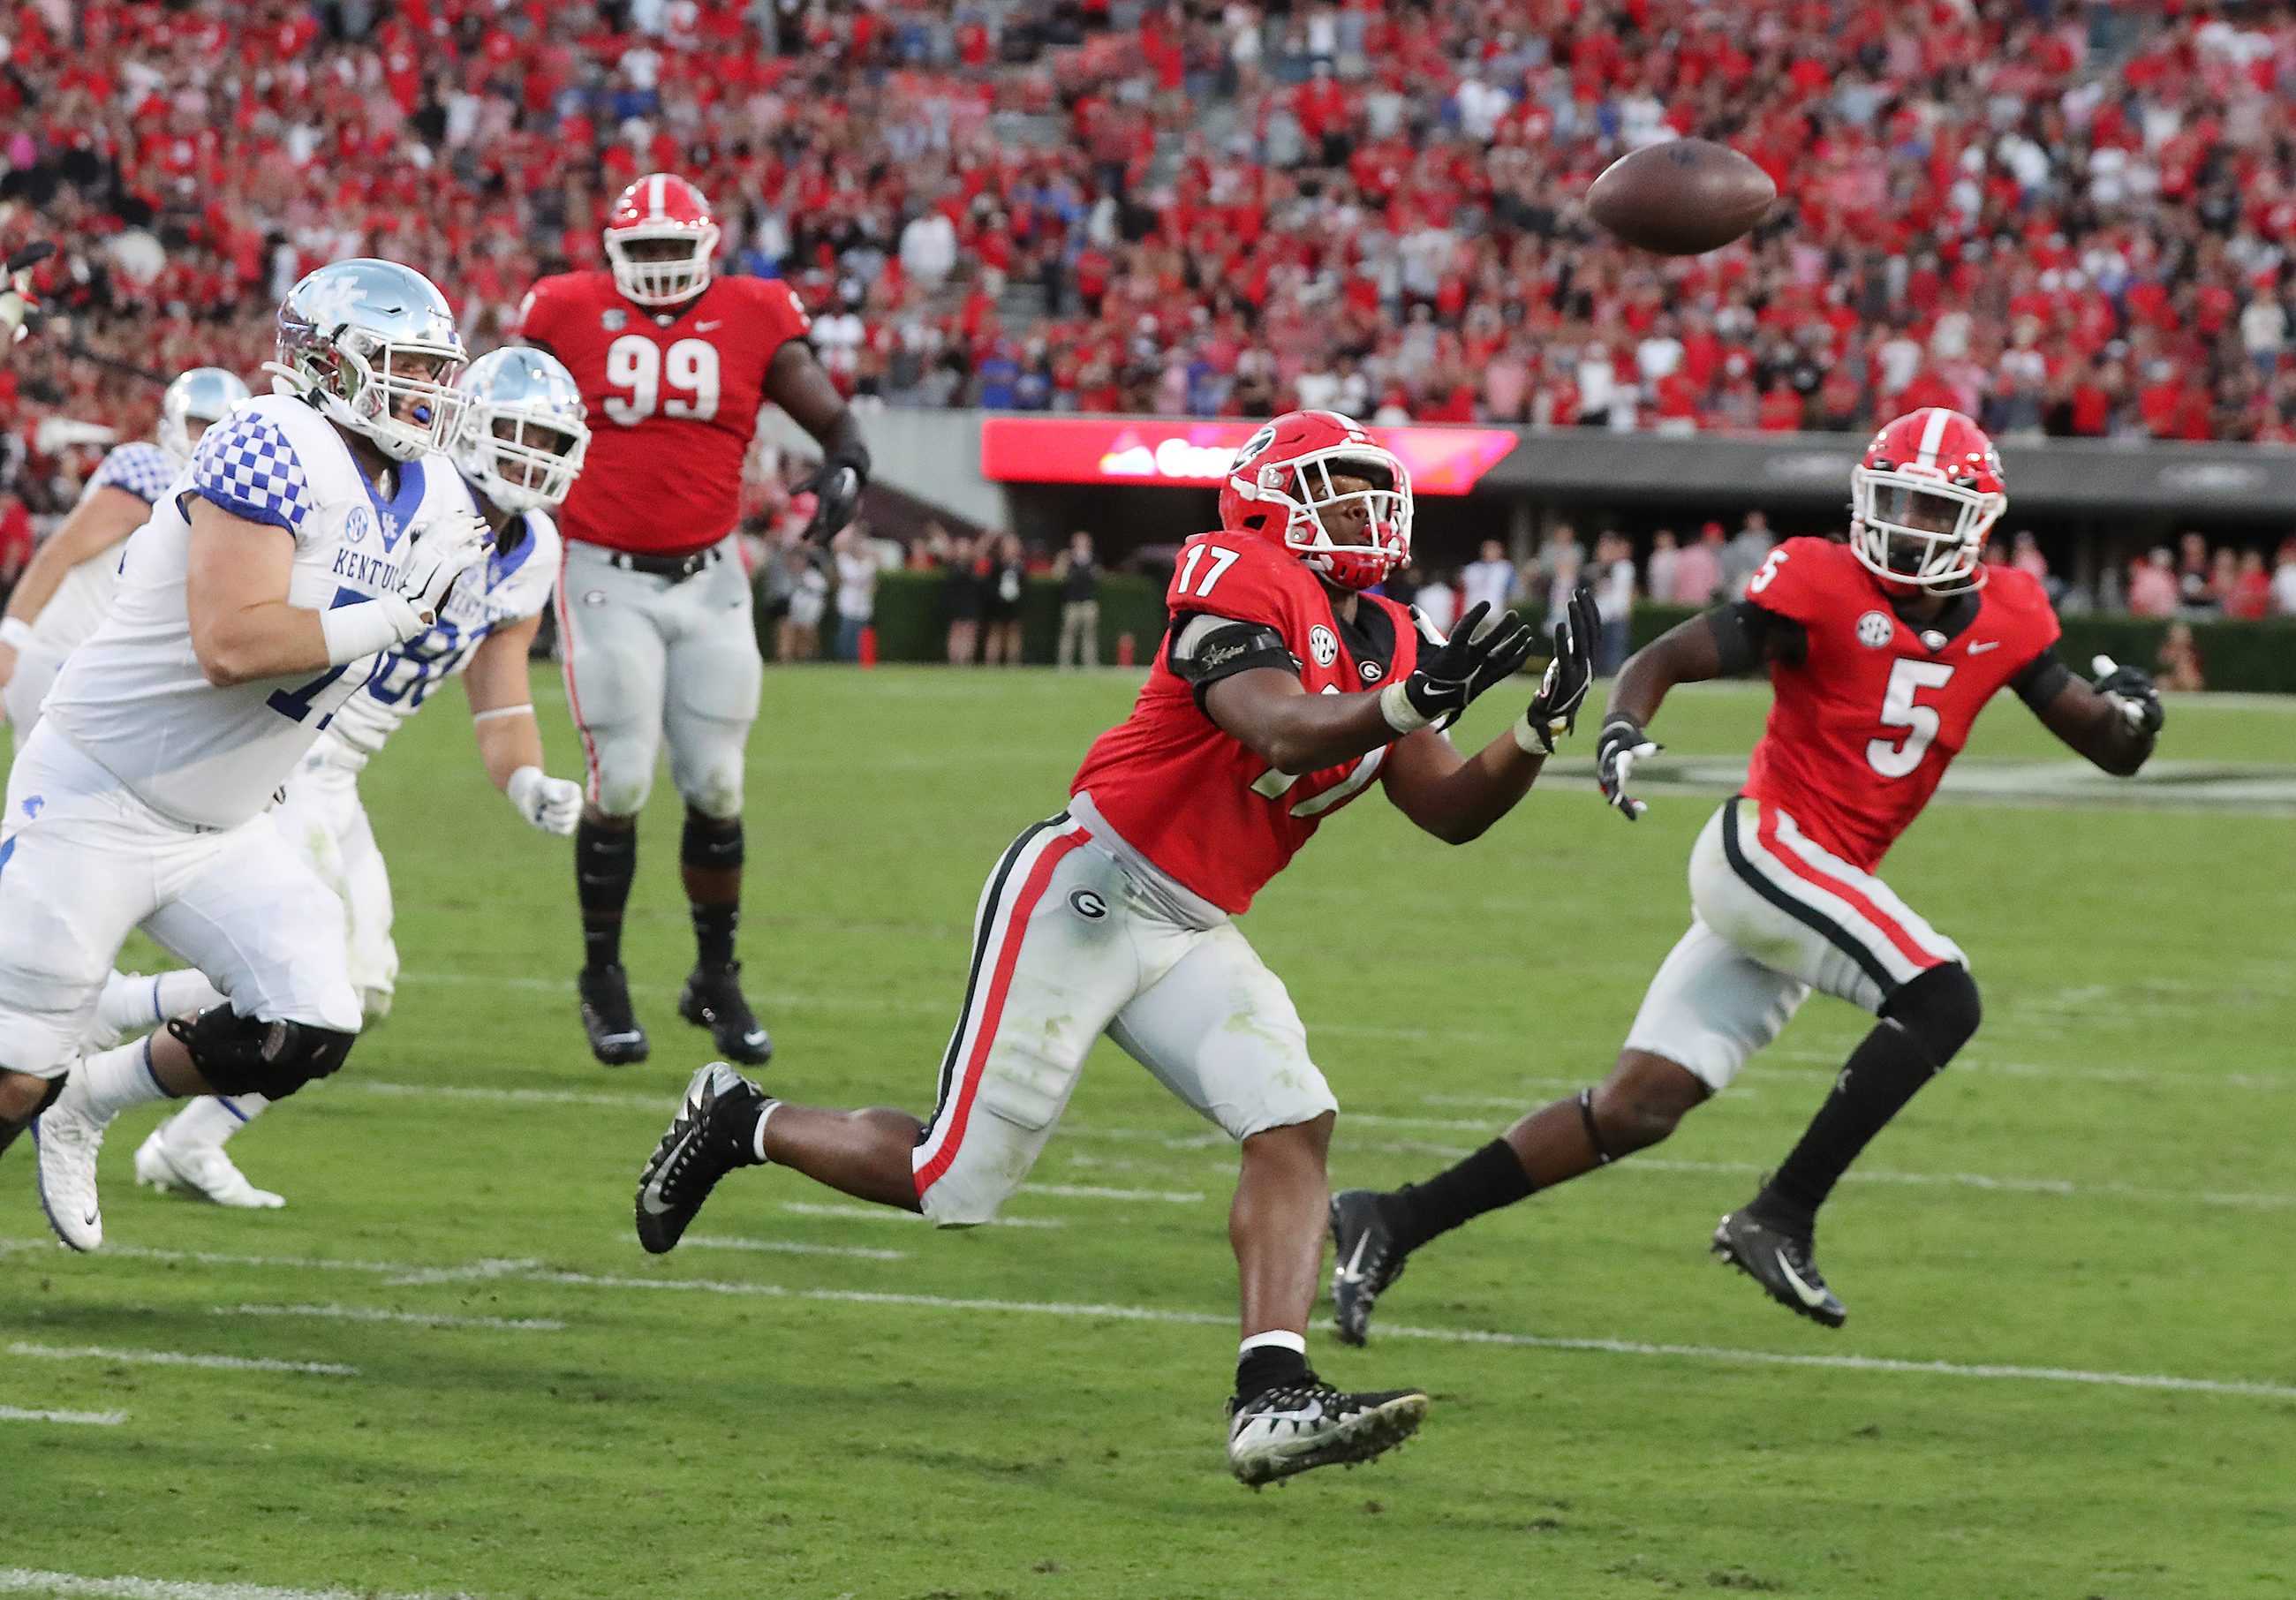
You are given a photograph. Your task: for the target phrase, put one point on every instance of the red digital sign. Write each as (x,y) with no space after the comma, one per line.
(1069,449)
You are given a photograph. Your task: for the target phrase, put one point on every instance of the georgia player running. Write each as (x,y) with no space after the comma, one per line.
(520,450)
(653,605)
(1882,652)
(1283,690)
(67,586)
(304,538)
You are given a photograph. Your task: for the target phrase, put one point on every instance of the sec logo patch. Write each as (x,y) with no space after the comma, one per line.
(1875,629)
(614,321)
(1324,645)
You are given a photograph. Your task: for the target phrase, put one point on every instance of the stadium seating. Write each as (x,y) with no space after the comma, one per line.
(2065,219)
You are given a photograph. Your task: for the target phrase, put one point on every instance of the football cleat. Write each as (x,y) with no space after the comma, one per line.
(202,1172)
(1780,1263)
(1301,1426)
(67,1139)
(1366,1260)
(616,1038)
(713,999)
(710,1137)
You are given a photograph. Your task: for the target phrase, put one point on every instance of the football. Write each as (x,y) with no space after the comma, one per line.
(1681,198)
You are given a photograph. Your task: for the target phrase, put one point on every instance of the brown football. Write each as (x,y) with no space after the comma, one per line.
(1681,198)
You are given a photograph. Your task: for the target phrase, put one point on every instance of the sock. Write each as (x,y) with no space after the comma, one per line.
(131,1001)
(107,1083)
(758,1135)
(712,848)
(211,1118)
(1267,1361)
(1489,1178)
(605,861)
(1880,1076)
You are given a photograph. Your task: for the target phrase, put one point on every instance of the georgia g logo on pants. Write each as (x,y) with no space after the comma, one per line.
(1088,904)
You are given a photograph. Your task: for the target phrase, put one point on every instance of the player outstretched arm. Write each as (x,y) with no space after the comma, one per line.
(2114,721)
(510,741)
(108,515)
(796,385)
(1728,639)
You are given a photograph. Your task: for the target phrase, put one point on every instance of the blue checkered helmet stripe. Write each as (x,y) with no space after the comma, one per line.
(245,465)
(144,471)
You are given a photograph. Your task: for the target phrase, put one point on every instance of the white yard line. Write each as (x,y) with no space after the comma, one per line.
(885,1213)
(90,1352)
(426,1319)
(23,1580)
(1089,1192)
(94,1419)
(793,1247)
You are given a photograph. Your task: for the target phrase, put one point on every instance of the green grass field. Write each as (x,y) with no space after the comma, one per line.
(808,1401)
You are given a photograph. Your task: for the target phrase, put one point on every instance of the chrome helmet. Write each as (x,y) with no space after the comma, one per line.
(524,428)
(374,346)
(205,394)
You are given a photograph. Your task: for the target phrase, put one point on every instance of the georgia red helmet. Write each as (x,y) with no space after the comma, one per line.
(1281,485)
(1921,501)
(659,206)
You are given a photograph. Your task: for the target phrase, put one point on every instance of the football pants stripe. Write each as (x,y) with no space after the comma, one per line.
(1819,903)
(1009,927)
(1808,861)
(984,924)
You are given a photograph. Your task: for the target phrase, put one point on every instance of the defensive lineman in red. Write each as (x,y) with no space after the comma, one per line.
(653,606)
(1283,689)
(1880,652)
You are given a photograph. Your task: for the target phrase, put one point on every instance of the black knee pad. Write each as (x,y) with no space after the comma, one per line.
(709,845)
(1939,1010)
(246,1055)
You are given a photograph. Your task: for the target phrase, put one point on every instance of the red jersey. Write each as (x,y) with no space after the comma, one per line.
(1861,732)
(1193,798)
(673,401)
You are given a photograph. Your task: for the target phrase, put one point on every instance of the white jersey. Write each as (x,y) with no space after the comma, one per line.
(518,584)
(133,697)
(77,607)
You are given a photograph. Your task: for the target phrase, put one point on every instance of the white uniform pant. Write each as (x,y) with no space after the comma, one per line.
(1068,946)
(1776,915)
(322,818)
(647,658)
(83,862)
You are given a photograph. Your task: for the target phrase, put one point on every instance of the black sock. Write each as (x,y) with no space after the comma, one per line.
(1267,1366)
(712,846)
(1882,1074)
(1489,1178)
(605,861)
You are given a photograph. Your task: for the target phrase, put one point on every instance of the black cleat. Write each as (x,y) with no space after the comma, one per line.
(615,1036)
(710,1137)
(1779,1261)
(1302,1426)
(1366,1260)
(713,999)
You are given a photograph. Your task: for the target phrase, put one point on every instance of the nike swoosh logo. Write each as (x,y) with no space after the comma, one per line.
(703,327)
(1352,1273)
(90,1218)
(649,1198)
(1981,649)
(1807,1295)
(756,1036)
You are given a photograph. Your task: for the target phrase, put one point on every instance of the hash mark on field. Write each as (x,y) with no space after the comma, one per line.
(885,1213)
(659,1105)
(94,1419)
(786,1246)
(23,1580)
(531,1325)
(90,1352)
(456,1275)
(1090,1192)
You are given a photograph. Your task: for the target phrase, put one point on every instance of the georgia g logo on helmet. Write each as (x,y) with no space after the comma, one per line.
(1285,487)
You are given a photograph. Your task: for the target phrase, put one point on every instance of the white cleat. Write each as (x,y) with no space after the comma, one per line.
(68,1140)
(204,1172)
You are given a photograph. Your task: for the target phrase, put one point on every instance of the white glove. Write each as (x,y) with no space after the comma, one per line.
(554,805)
(438,553)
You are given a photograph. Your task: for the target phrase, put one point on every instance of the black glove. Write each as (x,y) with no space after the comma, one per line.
(1622,743)
(1451,674)
(838,487)
(2130,688)
(1555,709)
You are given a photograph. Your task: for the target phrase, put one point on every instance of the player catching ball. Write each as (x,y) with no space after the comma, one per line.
(653,605)
(1882,652)
(1283,690)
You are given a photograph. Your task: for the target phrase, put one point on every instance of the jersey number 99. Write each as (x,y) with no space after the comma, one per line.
(689,368)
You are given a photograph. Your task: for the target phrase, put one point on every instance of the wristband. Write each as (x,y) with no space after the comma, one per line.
(15,632)
(1528,739)
(1401,715)
(352,631)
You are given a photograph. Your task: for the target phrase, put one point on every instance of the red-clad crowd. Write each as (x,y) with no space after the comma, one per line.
(2064,218)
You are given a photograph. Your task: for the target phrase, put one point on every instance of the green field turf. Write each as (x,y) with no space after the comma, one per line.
(2103,1186)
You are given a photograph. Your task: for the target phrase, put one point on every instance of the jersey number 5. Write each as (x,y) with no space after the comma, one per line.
(636,362)
(1898,710)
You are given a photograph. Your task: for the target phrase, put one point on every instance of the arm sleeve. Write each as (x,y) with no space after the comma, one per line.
(144,471)
(1206,649)
(1744,634)
(246,465)
(2043,679)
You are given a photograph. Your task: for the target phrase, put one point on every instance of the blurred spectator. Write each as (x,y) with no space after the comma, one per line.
(2153,584)
(1488,581)
(1744,554)
(2180,661)
(1077,572)
(1614,600)
(2283,581)
(1698,570)
(15,542)
(1562,552)
(856,588)
(1658,577)
(1002,587)
(2250,597)
(1439,602)
(798,636)
(962,596)
(2196,595)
